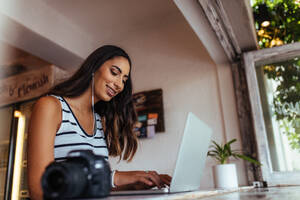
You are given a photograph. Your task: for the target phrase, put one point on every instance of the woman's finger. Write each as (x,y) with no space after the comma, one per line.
(145,180)
(154,177)
(166,179)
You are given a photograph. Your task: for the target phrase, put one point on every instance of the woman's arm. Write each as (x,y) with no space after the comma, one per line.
(45,121)
(137,180)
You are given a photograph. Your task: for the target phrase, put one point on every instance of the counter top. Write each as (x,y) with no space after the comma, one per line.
(242,193)
(176,196)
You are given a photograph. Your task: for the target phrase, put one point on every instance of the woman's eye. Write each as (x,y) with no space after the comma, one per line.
(113,72)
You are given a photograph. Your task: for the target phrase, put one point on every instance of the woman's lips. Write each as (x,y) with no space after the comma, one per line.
(110,92)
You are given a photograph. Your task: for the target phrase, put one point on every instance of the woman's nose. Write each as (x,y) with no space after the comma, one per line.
(119,84)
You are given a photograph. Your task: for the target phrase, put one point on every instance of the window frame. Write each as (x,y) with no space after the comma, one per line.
(251,60)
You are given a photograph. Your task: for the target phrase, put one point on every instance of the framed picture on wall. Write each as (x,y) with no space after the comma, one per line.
(149,107)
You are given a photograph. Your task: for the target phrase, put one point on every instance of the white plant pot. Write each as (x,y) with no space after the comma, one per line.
(225,176)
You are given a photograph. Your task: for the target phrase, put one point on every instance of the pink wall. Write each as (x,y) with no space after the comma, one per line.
(171,57)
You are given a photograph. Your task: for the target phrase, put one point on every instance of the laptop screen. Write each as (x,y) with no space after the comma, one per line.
(192,155)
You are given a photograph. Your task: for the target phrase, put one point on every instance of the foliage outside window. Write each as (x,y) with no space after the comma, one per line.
(278,22)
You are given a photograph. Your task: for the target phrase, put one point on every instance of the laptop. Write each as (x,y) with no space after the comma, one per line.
(190,160)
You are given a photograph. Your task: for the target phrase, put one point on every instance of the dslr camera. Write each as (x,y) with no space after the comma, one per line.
(82,175)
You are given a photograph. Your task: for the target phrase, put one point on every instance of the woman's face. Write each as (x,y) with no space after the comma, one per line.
(110,78)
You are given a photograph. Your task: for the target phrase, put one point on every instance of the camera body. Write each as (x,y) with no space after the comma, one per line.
(82,175)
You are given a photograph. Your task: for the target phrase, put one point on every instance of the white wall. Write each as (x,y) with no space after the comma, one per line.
(171,57)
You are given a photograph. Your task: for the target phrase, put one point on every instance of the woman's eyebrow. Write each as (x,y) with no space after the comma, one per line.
(119,69)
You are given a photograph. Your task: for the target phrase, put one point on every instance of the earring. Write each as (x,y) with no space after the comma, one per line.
(93,102)
(93,88)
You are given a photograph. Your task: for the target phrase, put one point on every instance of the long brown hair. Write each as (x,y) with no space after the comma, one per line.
(119,114)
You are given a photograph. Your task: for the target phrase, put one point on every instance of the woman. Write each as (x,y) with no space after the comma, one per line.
(69,118)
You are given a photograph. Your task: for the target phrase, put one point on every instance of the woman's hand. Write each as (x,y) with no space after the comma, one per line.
(166,179)
(137,180)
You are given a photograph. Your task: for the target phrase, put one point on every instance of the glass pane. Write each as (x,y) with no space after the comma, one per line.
(5,125)
(279,85)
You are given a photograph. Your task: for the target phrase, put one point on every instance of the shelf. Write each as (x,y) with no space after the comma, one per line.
(3,169)
(4,142)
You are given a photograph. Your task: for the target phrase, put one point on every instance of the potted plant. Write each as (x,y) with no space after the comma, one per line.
(224,174)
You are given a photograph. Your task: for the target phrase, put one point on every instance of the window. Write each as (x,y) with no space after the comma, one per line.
(273,77)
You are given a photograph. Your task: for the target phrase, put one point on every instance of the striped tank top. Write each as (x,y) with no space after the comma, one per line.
(71,136)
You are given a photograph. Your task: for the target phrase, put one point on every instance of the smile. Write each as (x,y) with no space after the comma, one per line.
(110,92)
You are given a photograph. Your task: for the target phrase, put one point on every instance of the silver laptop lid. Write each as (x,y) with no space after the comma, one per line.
(191,156)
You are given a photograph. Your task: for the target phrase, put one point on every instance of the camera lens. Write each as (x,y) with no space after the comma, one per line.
(64,180)
(56,180)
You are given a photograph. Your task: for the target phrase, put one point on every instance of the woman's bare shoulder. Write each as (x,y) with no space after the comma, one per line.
(46,112)
(48,105)
(49,102)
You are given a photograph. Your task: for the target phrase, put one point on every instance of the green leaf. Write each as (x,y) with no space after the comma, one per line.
(249,159)
(218,147)
(221,153)
(231,141)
